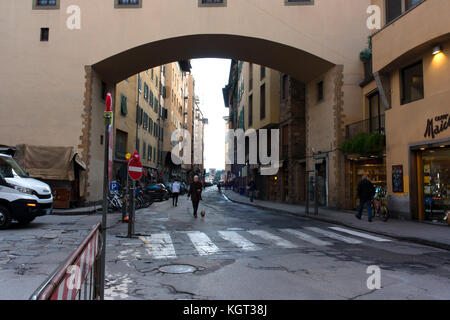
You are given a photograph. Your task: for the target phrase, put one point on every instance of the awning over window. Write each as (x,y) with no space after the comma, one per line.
(49,163)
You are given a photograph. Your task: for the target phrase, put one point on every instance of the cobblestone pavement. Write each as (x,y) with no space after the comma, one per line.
(28,255)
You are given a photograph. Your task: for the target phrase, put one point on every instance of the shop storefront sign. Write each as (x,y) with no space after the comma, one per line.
(437,125)
(397,179)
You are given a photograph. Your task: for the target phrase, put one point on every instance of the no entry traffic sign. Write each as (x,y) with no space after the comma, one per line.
(135,169)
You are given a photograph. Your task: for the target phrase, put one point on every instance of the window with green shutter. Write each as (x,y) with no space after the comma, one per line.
(145,91)
(145,121)
(144,150)
(123,105)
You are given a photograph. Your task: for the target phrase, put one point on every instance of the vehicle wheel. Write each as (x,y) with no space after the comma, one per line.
(25,221)
(5,218)
(384,212)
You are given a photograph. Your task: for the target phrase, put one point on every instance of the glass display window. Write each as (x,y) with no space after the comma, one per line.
(436,184)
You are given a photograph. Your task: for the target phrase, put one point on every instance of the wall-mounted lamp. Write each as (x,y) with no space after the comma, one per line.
(437,49)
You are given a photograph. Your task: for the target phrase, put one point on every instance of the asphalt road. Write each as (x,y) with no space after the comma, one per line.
(241,252)
(234,252)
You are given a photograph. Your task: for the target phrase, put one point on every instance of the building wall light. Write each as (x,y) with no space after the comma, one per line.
(437,50)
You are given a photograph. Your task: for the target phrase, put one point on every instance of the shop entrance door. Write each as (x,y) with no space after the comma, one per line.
(435,184)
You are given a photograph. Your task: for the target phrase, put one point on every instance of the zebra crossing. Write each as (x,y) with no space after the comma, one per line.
(161,246)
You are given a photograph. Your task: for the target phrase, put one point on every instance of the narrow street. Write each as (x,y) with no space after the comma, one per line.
(235,252)
(241,252)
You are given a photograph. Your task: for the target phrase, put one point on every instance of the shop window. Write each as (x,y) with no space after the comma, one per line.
(436,184)
(412,83)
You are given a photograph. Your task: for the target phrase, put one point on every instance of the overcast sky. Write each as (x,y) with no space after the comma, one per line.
(211,75)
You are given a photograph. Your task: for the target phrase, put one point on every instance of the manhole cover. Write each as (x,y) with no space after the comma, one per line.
(178,269)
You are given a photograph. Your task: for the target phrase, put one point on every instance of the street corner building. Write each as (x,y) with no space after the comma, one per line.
(411,69)
(389,120)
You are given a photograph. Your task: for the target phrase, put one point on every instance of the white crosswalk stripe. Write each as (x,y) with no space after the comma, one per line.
(160,246)
(306,237)
(333,235)
(202,243)
(278,241)
(360,234)
(238,240)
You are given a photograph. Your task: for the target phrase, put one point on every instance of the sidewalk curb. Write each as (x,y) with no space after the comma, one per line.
(86,211)
(430,243)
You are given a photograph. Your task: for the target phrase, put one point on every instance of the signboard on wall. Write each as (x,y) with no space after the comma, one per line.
(397,179)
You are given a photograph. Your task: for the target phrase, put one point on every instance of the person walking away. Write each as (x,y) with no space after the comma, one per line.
(251,187)
(195,194)
(366,192)
(176,186)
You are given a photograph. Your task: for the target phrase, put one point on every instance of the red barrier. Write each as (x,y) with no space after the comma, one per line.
(78,276)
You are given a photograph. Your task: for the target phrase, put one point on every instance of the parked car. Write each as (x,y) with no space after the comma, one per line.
(21,197)
(157,192)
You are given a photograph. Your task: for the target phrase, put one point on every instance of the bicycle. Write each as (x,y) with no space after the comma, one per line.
(114,202)
(379,207)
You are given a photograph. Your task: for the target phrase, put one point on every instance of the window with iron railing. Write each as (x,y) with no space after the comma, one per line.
(372,125)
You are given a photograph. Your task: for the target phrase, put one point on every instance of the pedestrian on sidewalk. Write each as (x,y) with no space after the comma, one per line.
(176,186)
(251,187)
(195,193)
(366,192)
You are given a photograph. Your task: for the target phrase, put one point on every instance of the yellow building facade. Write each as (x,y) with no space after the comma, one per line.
(411,86)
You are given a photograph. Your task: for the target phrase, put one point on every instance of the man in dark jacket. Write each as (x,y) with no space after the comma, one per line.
(195,193)
(366,192)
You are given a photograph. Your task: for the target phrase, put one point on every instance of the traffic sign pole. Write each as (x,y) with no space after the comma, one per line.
(108,121)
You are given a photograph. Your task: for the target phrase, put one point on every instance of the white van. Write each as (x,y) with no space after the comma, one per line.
(21,197)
